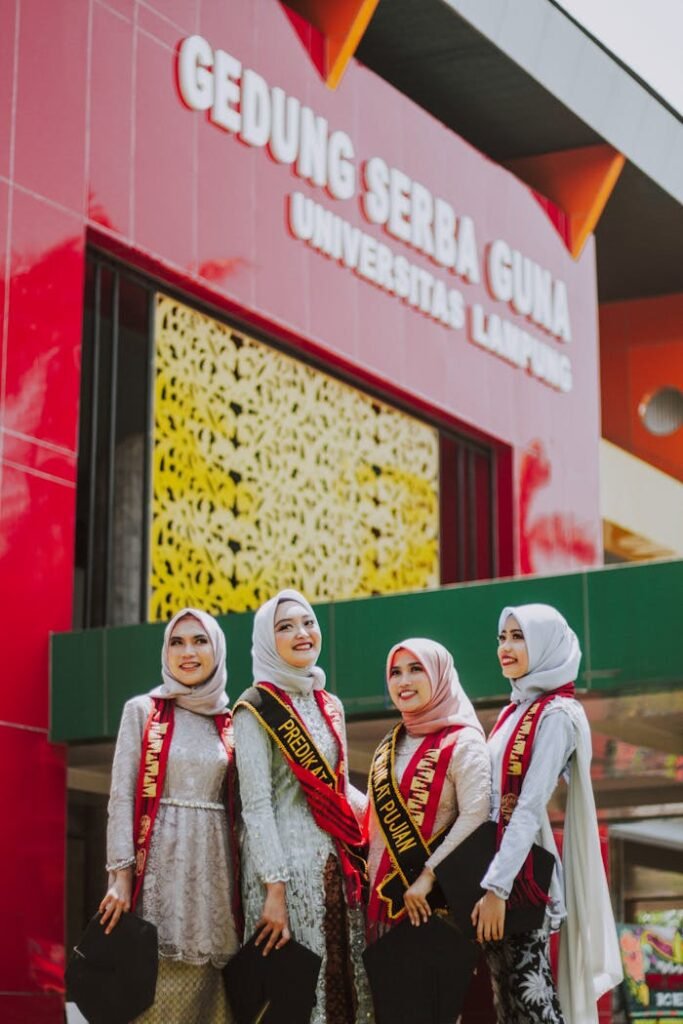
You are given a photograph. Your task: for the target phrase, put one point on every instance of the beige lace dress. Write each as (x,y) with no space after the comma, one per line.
(465,798)
(188,881)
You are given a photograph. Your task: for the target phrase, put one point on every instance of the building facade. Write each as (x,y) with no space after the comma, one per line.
(255,333)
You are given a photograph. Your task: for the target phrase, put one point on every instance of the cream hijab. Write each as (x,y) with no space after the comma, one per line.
(554,652)
(207,698)
(448,704)
(268,666)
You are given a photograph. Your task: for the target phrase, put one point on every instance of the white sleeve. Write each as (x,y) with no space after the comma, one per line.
(470,772)
(554,744)
(254,756)
(357,799)
(124,777)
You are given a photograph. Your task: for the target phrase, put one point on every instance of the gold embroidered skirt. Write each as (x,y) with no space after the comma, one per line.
(188,994)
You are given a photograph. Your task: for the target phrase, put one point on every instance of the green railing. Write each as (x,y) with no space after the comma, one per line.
(628,618)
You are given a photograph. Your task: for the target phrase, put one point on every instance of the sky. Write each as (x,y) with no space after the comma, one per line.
(646,34)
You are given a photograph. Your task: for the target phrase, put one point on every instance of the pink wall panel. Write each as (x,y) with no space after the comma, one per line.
(8,20)
(179,14)
(110,134)
(164,165)
(156,20)
(51,100)
(126,8)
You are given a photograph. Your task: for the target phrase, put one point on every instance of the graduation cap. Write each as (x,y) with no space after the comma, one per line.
(112,978)
(460,873)
(420,974)
(274,989)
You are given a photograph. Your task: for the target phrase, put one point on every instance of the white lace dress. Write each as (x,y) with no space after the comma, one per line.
(187,885)
(282,842)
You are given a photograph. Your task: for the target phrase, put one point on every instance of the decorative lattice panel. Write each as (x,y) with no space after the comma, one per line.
(268,473)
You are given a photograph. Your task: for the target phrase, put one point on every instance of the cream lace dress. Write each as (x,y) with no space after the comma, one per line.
(187,885)
(281,842)
(465,798)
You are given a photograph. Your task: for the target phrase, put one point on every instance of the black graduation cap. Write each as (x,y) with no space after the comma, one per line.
(112,978)
(274,989)
(419,974)
(460,873)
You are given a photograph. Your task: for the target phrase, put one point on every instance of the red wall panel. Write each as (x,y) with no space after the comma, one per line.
(32,797)
(42,187)
(641,351)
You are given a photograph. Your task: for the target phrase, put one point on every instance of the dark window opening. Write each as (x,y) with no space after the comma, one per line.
(114,500)
(111,574)
(467,510)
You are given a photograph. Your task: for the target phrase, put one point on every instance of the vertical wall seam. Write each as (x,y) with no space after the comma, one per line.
(4,334)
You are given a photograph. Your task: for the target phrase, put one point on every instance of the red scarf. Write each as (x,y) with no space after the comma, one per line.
(156,744)
(326,795)
(516,761)
(418,797)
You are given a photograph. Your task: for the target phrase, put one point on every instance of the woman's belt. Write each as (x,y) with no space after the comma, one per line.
(199,805)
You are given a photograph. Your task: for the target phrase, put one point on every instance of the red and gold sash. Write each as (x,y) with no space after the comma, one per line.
(156,744)
(323,786)
(406,814)
(516,761)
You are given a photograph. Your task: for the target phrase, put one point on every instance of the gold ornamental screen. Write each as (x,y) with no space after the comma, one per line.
(269,473)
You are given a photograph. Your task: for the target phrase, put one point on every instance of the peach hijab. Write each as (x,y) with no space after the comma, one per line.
(449,704)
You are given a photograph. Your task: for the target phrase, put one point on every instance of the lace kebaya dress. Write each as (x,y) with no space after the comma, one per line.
(187,885)
(282,842)
(465,798)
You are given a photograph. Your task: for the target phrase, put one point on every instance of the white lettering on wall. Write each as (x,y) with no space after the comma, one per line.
(241,102)
(529,288)
(360,252)
(195,78)
(255,109)
(341,170)
(520,348)
(226,92)
(284,131)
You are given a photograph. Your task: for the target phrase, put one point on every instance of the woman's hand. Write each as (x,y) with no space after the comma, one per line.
(415,898)
(117,899)
(273,925)
(488,917)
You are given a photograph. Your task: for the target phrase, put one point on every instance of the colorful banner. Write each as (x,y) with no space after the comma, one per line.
(653,972)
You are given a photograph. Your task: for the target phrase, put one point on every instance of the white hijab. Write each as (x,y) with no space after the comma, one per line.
(590,963)
(207,698)
(554,652)
(268,666)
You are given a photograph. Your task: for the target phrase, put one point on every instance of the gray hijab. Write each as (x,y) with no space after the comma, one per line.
(207,698)
(268,666)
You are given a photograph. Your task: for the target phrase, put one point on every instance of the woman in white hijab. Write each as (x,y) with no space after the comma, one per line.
(543,733)
(300,874)
(169,839)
